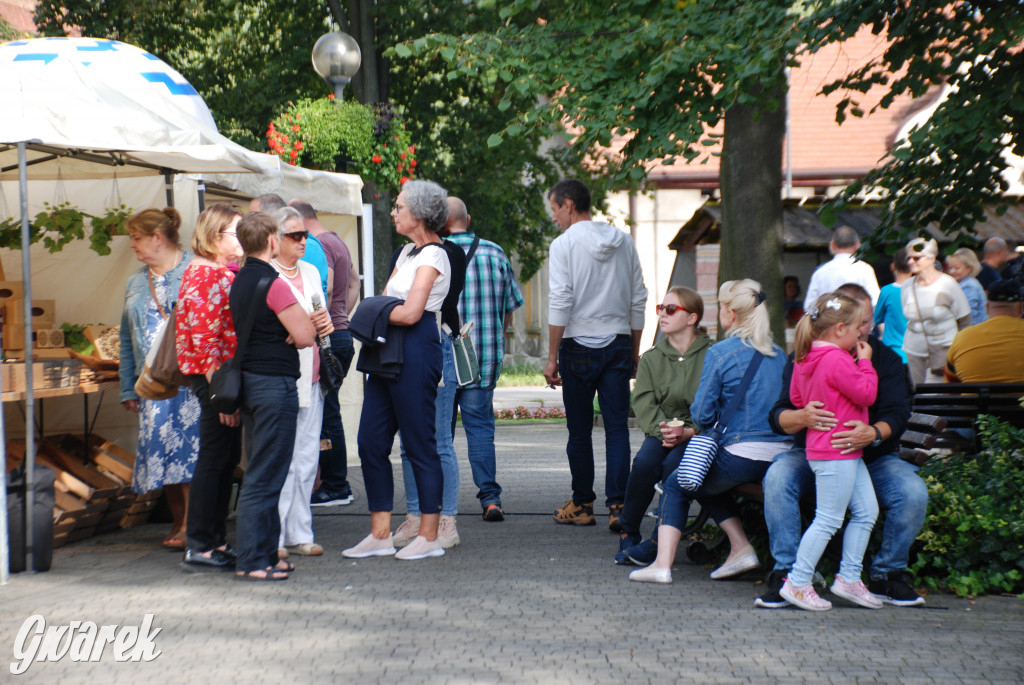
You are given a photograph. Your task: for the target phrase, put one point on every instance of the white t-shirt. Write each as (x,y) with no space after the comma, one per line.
(941,304)
(431,254)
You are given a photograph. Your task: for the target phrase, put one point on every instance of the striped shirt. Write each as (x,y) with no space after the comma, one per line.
(491,292)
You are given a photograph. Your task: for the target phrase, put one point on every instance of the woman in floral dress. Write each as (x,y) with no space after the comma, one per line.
(168,429)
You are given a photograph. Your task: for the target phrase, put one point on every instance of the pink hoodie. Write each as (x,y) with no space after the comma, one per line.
(847,387)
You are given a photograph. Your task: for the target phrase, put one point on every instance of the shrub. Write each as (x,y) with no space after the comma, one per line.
(973,537)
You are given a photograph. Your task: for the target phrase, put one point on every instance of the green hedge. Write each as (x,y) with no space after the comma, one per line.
(972,542)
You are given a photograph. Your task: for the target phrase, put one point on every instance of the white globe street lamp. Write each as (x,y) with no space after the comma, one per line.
(336,57)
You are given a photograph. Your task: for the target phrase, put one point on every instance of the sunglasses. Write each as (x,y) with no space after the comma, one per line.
(297,236)
(669,309)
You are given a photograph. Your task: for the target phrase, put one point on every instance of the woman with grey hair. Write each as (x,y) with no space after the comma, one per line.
(964,267)
(935,307)
(304,280)
(406,400)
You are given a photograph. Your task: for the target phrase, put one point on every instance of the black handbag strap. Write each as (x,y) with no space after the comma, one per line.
(242,334)
(472,249)
(726,416)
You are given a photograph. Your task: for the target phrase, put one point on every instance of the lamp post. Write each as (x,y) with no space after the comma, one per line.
(336,57)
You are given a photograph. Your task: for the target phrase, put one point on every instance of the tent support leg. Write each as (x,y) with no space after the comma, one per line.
(30,400)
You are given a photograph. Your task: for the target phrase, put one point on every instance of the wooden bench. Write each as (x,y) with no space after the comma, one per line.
(959,404)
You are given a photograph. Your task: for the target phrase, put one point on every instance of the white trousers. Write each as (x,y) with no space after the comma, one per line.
(293,507)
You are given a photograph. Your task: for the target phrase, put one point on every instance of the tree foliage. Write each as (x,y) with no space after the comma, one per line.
(951,165)
(249,59)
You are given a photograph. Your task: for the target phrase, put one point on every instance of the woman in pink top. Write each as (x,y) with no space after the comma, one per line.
(825,371)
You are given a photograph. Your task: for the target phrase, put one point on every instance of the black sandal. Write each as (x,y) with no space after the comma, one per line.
(269,574)
(284,566)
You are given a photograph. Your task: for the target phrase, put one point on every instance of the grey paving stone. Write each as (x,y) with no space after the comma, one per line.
(522,601)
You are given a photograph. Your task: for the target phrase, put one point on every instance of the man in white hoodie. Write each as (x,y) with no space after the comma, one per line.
(595,316)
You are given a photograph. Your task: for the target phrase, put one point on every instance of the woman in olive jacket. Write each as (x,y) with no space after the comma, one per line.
(666,382)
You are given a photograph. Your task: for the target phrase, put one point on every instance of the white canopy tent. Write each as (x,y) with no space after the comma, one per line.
(98,123)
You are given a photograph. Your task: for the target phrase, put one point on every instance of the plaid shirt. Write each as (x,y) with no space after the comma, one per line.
(491,292)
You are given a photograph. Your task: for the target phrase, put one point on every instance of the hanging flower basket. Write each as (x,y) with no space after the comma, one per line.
(322,134)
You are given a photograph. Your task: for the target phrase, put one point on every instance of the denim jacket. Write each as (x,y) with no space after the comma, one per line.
(724,366)
(133,321)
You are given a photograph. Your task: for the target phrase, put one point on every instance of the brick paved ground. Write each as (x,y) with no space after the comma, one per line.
(523,601)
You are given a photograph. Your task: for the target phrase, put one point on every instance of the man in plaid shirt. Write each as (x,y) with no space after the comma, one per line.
(488,300)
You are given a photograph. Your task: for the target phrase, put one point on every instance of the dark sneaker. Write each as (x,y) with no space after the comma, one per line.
(896,589)
(614,514)
(493,512)
(643,553)
(328,498)
(575,514)
(771,599)
(626,540)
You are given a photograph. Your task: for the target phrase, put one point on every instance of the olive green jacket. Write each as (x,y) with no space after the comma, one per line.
(666,383)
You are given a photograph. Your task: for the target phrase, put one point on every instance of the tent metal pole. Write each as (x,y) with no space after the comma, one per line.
(201,189)
(30,400)
(169,186)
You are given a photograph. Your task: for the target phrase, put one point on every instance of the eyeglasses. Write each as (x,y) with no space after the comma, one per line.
(297,236)
(669,309)
(234,233)
(914,258)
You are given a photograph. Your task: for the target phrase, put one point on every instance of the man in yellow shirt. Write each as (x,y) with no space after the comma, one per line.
(992,351)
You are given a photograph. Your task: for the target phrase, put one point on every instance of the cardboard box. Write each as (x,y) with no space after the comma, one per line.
(44,313)
(11,291)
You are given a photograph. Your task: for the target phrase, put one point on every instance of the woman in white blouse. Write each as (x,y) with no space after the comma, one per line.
(421,278)
(935,307)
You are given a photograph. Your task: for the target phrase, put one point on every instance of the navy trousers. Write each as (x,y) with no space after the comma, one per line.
(407,404)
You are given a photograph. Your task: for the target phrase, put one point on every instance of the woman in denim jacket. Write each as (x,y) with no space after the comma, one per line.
(168,429)
(749,444)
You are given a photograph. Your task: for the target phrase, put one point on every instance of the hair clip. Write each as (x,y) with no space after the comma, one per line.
(834,304)
(813,313)
(759,297)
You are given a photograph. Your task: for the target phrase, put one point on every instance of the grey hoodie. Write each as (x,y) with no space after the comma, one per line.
(596,284)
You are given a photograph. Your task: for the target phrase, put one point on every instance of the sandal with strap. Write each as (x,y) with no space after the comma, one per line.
(269,574)
(284,566)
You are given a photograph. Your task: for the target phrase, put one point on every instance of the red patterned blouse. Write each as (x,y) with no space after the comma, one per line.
(205,331)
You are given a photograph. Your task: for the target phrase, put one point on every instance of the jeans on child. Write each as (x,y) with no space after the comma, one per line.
(839,483)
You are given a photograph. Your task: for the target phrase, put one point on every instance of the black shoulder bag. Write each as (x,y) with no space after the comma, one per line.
(226,382)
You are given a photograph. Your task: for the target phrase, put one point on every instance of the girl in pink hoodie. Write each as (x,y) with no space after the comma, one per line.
(826,337)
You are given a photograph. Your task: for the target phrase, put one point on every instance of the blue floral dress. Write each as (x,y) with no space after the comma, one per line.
(168,429)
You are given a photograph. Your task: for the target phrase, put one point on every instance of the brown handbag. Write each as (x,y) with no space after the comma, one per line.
(160,379)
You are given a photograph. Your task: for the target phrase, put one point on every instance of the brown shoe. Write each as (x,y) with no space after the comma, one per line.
(614,514)
(575,514)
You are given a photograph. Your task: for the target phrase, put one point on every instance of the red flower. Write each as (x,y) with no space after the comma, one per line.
(296,128)
(376,159)
(412,164)
(299,145)
(403,180)
(403,155)
(400,167)
(412,149)
(330,96)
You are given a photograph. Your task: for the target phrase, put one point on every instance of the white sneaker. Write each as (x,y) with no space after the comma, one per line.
(370,547)
(421,548)
(406,532)
(662,576)
(447,533)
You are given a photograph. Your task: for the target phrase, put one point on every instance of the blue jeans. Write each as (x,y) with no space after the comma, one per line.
(477,405)
(899,490)
(270,409)
(334,462)
(839,484)
(726,472)
(651,465)
(444,434)
(605,371)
